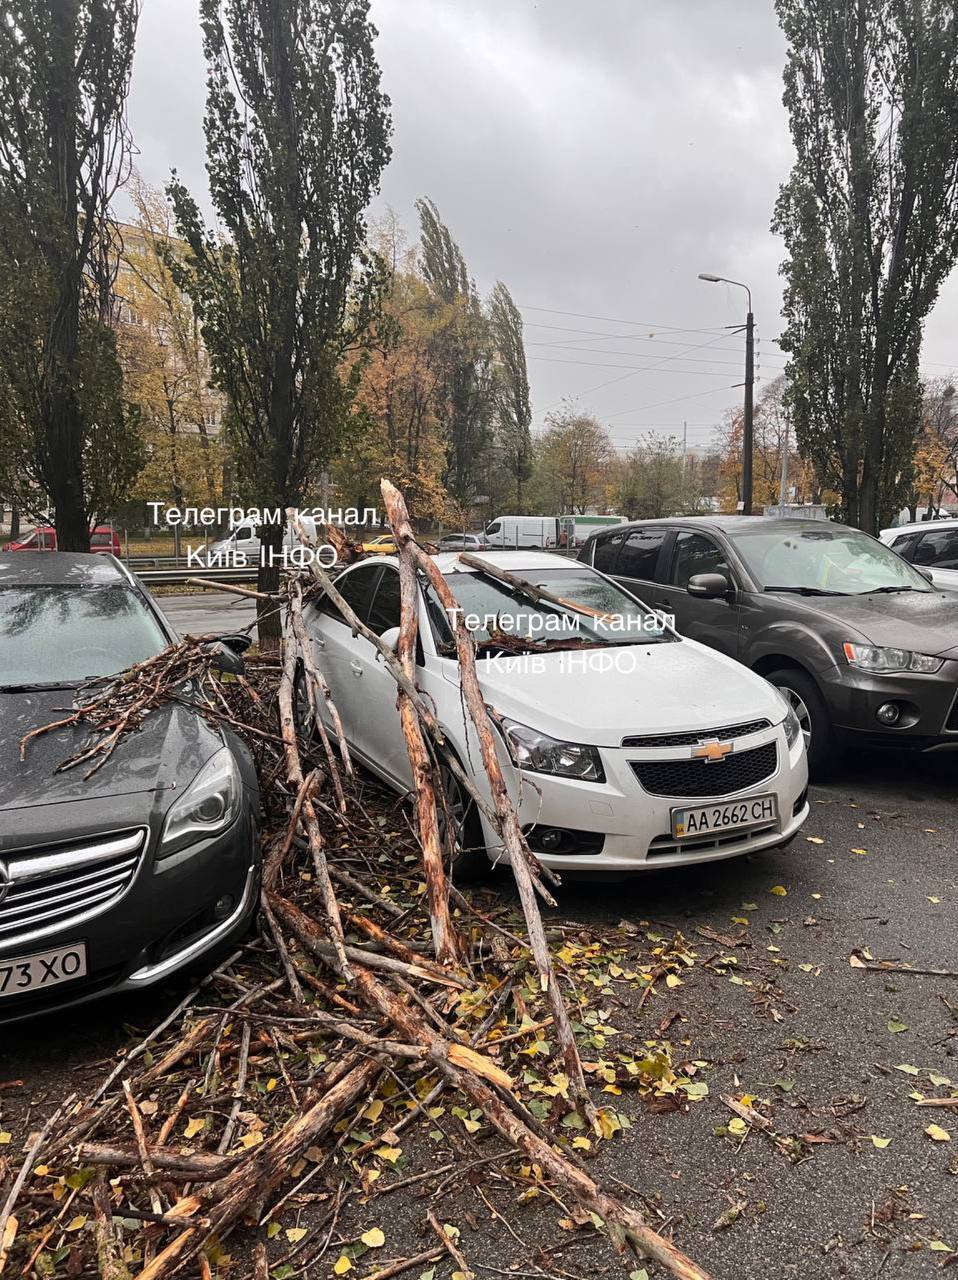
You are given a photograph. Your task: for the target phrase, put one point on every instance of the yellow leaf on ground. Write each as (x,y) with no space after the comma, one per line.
(374,1238)
(194,1127)
(672,981)
(391,1154)
(293,1234)
(779,890)
(342,1265)
(937,1133)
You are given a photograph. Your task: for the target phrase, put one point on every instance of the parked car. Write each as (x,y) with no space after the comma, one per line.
(112,882)
(634,750)
(463,542)
(103,540)
(862,645)
(931,547)
(384,544)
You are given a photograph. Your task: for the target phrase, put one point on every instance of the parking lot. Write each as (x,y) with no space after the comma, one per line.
(841,1052)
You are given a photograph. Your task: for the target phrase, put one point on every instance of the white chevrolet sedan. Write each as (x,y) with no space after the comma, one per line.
(625,746)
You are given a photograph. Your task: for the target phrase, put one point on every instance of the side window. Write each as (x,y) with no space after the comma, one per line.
(695,553)
(46,542)
(938,550)
(640,554)
(356,589)
(494,527)
(606,552)
(242,534)
(385,609)
(905,545)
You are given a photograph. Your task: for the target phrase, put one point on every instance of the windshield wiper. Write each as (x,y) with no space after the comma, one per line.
(809,591)
(34,685)
(877,591)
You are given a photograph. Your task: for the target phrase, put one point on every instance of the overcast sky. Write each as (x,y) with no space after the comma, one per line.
(595,157)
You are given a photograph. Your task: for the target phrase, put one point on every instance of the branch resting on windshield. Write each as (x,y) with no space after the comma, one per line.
(529,590)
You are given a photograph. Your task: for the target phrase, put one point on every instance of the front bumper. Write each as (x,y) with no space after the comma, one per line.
(171,914)
(929,704)
(635,827)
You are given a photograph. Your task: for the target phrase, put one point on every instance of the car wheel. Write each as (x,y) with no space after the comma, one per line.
(813,717)
(470,861)
(303,717)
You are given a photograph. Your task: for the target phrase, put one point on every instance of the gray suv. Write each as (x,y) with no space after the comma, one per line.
(862,645)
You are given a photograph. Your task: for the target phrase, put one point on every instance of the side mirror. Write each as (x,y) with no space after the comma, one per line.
(238,643)
(925,573)
(708,586)
(225,657)
(390,638)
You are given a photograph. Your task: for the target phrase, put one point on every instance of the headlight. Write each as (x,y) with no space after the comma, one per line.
(881,660)
(542,754)
(208,806)
(791,726)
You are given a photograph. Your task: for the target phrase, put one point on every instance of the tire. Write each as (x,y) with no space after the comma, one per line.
(471,862)
(808,704)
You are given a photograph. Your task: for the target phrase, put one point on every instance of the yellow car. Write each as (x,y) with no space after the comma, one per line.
(384,545)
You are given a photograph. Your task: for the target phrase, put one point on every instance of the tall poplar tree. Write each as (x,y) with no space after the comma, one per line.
(870,221)
(66,436)
(297,135)
(513,406)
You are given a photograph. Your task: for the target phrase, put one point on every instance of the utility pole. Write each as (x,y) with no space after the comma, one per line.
(685,446)
(748,433)
(747,438)
(783,486)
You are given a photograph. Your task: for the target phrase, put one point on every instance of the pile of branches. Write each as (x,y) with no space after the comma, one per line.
(371,969)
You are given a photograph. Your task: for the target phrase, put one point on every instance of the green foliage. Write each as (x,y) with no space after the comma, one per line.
(870,221)
(511,389)
(466,352)
(297,132)
(654,480)
(67,437)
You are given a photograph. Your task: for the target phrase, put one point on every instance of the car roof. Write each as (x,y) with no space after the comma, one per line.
(723,524)
(60,568)
(511,561)
(948,522)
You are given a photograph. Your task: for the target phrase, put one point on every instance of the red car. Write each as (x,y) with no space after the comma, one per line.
(103,539)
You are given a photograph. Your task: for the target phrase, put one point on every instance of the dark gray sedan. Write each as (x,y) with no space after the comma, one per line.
(113,882)
(863,646)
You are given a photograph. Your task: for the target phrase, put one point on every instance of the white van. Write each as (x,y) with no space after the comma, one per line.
(515,532)
(522,531)
(243,540)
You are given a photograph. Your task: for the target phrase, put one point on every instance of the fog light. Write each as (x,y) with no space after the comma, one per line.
(224,907)
(550,840)
(888,713)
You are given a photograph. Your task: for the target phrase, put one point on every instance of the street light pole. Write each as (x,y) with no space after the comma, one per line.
(749,424)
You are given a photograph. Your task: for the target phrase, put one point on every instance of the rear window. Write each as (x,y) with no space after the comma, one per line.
(640,554)
(62,634)
(101,540)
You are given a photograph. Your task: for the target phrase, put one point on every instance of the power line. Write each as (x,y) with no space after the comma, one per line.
(641,324)
(636,368)
(569,346)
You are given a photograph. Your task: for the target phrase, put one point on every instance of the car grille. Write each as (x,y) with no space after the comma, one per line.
(695,736)
(700,778)
(663,845)
(49,888)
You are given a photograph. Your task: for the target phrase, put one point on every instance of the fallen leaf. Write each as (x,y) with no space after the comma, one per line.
(194,1127)
(374,1238)
(814,839)
(937,1133)
(342,1265)
(293,1234)
(896,1027)
(779,890)
(880,1143)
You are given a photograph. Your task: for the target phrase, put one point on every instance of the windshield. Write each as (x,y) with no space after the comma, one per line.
(493,608)
(61,634)
(826,558)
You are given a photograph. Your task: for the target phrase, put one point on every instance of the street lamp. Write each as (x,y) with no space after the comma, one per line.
(749,389)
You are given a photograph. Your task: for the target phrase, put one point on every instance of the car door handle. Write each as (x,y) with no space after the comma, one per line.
(356,668)
(663,604)
(319,642)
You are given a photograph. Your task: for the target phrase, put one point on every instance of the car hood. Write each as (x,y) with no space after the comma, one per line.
(926,621)
(655,688)
(167,751)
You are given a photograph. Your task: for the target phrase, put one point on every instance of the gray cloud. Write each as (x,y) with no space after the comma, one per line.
(595,157)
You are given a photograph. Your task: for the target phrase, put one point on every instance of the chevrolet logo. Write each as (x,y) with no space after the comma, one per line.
(711,751)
